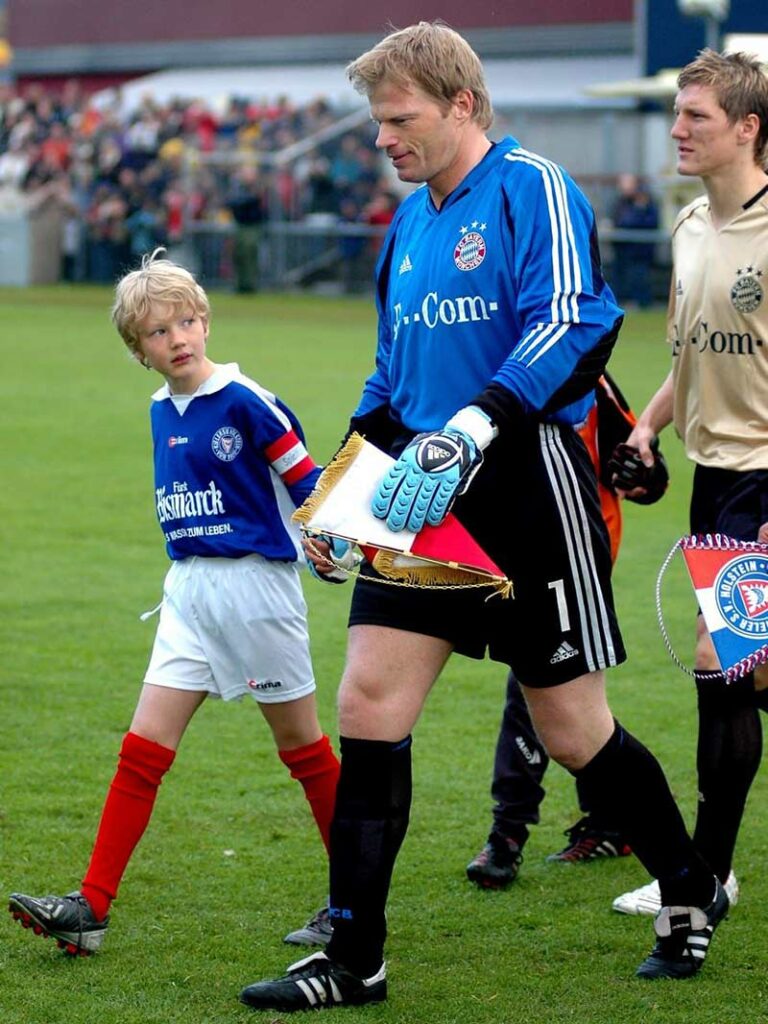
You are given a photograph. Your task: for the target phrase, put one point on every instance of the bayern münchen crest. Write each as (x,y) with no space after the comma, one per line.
(226,443)
(470,250)
(747,291)
(741,595)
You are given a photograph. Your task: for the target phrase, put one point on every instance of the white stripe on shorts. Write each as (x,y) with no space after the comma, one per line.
(594,621)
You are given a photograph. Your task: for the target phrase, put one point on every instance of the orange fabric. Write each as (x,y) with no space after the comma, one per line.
(610,503)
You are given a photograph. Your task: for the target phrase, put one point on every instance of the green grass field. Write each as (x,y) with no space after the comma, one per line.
(231,860)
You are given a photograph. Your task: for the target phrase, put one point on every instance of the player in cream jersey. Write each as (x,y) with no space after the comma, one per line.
(716,394)
(718,329)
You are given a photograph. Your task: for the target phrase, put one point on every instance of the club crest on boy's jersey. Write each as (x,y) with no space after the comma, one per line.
(470,249)
(747,291)
(227,443)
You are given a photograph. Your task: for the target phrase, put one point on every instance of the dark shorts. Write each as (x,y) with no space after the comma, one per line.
(729,502)
(533,507)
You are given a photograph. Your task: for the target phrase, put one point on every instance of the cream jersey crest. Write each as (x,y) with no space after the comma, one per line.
(718,329)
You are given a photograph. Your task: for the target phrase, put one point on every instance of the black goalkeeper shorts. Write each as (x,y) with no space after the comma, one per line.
(533,507)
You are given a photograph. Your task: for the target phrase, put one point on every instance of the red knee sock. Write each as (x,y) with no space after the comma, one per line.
(317,769)
(127,810)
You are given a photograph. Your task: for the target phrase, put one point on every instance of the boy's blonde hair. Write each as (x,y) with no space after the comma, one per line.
(740,85)
(431,56)
(156,281)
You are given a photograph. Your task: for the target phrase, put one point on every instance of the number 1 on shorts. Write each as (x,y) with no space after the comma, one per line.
(562,608)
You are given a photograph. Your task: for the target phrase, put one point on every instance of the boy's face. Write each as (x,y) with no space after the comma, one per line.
(707,142)
(172,341)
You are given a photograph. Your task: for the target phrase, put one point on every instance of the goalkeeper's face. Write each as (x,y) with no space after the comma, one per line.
(426,140)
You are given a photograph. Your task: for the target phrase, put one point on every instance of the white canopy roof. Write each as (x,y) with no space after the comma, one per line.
(527,83)
(663,85)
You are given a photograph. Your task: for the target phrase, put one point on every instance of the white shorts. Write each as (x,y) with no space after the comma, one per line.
(231,626)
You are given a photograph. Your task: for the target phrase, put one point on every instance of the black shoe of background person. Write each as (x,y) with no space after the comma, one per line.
(497,864)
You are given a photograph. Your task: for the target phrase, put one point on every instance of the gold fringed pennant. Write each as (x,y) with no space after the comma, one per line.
(436,556)
(418,573)
(328,479)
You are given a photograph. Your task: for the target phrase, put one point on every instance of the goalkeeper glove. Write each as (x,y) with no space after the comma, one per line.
(629,472)
(341,554)
(432,471)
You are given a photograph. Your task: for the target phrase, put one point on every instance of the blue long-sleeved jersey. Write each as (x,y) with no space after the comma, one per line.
(230,467)
(496,298)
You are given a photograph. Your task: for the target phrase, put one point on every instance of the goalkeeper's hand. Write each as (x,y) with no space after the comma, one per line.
(433,470)
(330,559)
(641,483)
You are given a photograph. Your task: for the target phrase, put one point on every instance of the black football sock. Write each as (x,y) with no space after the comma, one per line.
(624,783)
(730,747)
(373,802)
(597,819)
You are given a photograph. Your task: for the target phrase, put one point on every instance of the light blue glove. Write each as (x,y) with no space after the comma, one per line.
(432,471)
(341,553)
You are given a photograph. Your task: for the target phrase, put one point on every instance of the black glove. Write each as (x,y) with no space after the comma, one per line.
(628,472)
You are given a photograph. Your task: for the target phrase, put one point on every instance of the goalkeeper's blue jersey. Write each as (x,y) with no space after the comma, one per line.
(230,467)
(501,285)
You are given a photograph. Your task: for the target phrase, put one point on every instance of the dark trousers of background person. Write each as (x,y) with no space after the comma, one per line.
(214,256)
(107,259)
(518,769)
(246,257)
(354,273)
(632,268)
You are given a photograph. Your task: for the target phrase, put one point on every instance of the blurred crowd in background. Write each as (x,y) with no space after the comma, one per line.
(246,193)
(179,174)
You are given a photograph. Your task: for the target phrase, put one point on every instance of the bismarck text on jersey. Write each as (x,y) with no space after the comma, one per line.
(185,504)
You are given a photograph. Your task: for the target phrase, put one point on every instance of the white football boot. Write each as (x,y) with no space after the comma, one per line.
(647,899)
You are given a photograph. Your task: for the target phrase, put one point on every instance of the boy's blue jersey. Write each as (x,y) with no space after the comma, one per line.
(502,285)
(230,467)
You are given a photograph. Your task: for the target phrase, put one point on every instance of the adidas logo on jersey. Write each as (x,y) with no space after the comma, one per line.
(406,265)
(563,653)
(531,756)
